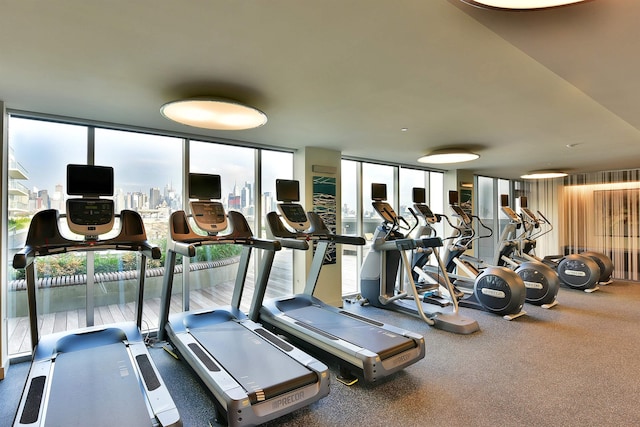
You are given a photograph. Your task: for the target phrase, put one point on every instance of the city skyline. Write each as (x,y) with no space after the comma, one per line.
(136,166)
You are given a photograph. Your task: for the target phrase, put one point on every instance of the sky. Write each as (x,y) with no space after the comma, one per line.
(140,161)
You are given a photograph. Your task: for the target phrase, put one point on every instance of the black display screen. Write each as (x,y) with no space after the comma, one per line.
(378,191)
(89,180)
(204,186)
(419,195)
(287,190)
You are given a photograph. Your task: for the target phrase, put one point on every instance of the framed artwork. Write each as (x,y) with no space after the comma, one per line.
(324,204)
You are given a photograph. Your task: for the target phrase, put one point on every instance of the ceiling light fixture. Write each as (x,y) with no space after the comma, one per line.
(448,155)
(544,174)
(213,113)
(520,4)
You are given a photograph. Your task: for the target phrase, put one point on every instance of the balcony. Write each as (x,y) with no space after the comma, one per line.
(16,170)
(63,298)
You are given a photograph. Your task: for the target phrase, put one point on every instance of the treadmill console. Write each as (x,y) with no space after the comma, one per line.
(209,216)
(294,215)
(90,217)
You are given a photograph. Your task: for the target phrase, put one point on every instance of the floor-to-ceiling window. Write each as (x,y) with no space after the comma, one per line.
(488,202)
(358,215)
(276,165)
(148,180)
(37,175)
(149,170)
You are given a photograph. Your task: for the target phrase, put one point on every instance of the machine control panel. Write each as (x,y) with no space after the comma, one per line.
(295,216)
(209,216)
(90,217)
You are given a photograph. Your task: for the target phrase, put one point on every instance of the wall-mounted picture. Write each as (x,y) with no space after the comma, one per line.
(324,204)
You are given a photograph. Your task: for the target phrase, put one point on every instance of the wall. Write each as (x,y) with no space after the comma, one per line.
(310,162)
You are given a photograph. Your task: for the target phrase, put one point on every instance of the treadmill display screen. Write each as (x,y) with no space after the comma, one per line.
(90,217)
(89,180)
(287,190)
(204,186)
(294,215)
(209,216)
(294,212)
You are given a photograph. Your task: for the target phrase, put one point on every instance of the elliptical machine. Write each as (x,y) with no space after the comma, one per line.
(381,266)
(495,289)
(533,223)
(575,271)
(541,281)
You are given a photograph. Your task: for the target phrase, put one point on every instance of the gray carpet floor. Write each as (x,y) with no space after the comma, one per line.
(577,364)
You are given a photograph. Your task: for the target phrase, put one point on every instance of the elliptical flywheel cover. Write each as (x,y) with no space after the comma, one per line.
(500,290)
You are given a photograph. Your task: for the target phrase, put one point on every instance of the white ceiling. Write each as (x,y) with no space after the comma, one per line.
(517,87)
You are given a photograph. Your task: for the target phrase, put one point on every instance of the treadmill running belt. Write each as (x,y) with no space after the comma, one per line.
(379,340)
(262,369)
(96,387)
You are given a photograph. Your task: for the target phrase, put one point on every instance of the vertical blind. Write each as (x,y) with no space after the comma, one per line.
(597,211)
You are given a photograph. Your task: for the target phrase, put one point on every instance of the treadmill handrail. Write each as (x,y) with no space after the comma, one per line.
(318,231)
(132,237)
(186,239)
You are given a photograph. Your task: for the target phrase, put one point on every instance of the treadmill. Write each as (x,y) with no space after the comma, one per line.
(254,375)
(94,376)
(363,347)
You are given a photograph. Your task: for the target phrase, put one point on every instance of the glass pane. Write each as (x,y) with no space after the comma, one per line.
(380,174)
(38,154)
(276,165)
(410,179)
(350,257)
(486,213)
(214,269)
(436,199)
(148,180)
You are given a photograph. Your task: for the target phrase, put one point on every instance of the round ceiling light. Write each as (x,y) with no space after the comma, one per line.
(452,155)
(520,4)
(544,174)
(213,113)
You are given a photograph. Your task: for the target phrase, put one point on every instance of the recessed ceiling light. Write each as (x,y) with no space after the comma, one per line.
(544,174)
(450,155)
(214,113)
(520,4)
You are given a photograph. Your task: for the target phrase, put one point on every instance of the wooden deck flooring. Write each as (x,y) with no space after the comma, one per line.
(219,295)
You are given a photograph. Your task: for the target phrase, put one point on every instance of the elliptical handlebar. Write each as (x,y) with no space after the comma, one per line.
(477,218)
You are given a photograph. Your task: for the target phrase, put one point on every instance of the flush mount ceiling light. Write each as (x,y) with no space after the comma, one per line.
(448,155)
(544,174)
(214,113)
(520,4)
